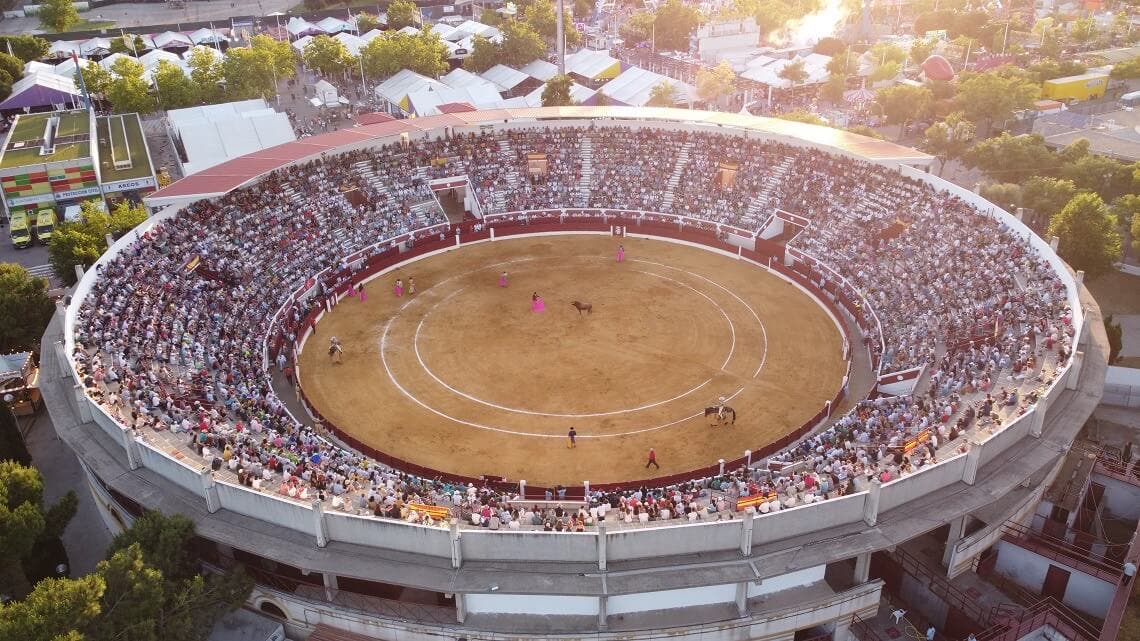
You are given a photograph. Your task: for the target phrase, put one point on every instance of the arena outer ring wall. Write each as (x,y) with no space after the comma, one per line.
(589,583)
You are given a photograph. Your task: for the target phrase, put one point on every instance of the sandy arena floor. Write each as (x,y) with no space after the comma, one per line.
(463,377)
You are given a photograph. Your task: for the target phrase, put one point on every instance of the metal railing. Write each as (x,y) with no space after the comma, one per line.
(1063,551)
(1010,622)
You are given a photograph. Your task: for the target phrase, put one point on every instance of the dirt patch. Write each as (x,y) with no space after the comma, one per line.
(464,377)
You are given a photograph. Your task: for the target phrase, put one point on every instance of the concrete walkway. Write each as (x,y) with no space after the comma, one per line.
(86,537)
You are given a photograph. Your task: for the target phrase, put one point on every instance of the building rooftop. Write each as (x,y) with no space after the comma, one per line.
(120,138)
(72,139)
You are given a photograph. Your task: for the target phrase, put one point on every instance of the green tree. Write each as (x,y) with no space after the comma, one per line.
(864,130)
(556,93)
(1049,69)
(903,103)
(175,89)
(280,51)
(830,46)
(833,89)
(1004,195)
(24,521)
(125,217)
(327,55)
(55,611)
(491,17)
(1044,196)
(949,139)
(26,48)
(366,22)
(674,22)
(664,94)
(1126,208)
(1012,158)
(79,243)
(1128,69)
(1089,240)
(402,13)
(119,45)
(1135,231)
(637,29)
(58,15)
(920,49)
(12,65)
(207,73)
(249,73)
(521,44)
(987,97)
(95,77)
(1107,177)
(1083,31)
(844,63)
(883,52)
(25,309)
(423,53)
(127,91)
(716,82)
(886,71)
(484,55)
(799,115)
(541,17)
(794,72)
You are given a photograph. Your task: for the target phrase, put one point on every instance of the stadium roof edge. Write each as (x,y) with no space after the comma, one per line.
(235,173)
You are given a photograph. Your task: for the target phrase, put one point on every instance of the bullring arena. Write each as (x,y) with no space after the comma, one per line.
(470,380)
(903,358)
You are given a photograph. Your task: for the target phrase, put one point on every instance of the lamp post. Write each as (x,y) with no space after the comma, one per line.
(8,399)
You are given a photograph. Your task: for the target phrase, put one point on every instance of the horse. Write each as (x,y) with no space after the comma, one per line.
(721,414)
(582,307)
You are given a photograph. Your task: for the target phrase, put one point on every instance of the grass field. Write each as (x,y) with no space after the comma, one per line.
(31,128)
(132,140)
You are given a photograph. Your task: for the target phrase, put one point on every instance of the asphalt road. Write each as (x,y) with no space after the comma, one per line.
(149,13)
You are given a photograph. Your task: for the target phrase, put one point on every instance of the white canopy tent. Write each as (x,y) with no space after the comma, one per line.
(213,134)
(331,25)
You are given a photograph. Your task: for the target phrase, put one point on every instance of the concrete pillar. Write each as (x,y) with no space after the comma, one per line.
(957,529)
(78,273)
(210,489)
(746,525)
(320,528)
(842,630)
(522,489)
(871,503)
(331,586)
(742,598)
(1075,374)
(82,404)
(132,448)
(1054,242)
(1037,419)
(748,457)
(460,608)
(973,460)
(603,616)
(721,461)
(456,545)
(586,490)
(1079,276)
(601,545)
(492,233)
(457,238)
(110,240)
(863,568)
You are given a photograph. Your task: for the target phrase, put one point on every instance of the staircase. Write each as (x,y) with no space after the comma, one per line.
(509,160)
(426,213)
(761,205)
(364,170)
(586,153)
(675,178)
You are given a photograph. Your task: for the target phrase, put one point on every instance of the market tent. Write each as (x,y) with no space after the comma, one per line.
(206,36)
(36,66)
(635,86)
(64,49)
(593,65)
(395,90)
(540,69)
(331,25)
(218,55)
(67,67)
(95,47)
(42,90)
(460,78)
(352,43)
(578,95)
(151,59)
(298,27)
(172,40)
(326,94)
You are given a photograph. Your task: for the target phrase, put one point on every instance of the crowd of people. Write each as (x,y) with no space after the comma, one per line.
(170,337)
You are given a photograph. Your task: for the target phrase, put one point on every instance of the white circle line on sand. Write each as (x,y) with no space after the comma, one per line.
(763,330)
(437,379)
(491,428)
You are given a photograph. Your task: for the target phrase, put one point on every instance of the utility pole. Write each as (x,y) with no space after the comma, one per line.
(560,37)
